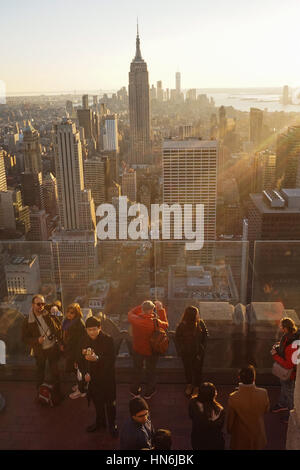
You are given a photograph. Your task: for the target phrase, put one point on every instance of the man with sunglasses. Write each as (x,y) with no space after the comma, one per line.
(137,432)
(41,333)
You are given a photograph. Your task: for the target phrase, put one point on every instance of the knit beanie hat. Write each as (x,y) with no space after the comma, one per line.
(91,322)
(136,405)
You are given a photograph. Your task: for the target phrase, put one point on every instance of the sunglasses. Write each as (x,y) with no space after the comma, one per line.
(40,304)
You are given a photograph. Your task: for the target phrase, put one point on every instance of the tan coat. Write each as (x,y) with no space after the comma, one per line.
(245,420)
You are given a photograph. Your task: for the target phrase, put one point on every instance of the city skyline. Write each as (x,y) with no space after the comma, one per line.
(209,45)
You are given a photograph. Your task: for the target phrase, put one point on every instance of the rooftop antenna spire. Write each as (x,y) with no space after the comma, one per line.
(138,55)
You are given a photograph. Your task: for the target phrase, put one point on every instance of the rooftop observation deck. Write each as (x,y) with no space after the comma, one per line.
(26,425)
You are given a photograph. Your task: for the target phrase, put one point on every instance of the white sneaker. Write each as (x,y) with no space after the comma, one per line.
(77,394)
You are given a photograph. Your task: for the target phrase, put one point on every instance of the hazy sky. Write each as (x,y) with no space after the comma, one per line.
(55,45)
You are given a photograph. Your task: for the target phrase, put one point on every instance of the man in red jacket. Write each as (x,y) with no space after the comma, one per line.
(141,319)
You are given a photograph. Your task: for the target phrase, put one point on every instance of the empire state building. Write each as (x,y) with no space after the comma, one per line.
(139,109)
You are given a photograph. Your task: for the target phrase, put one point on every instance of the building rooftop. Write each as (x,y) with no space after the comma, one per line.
(289,192)
(264,208)
(189,144)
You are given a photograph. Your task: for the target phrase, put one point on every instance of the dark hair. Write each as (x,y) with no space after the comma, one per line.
(162,439)
(247,374)
(207,396)
(289,324)
(191,317)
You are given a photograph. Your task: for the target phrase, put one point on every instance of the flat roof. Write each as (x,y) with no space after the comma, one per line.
(189,144)
(290,192)
(263,207)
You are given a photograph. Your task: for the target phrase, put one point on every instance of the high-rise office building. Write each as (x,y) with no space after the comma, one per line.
(95,178)
(13,214)
(23,275)
(85,101)
(76,206)
(159,91)
(32,149)
(222,122)
(285,96)
(85,119)
(256,124)
(274,233)
(32,189)
(75,246)
(190,177)
(178,82)
(139,109)
(69,108)
(3,181)
(95,101)
(38,225)
(288,157)
(109,133)
(264,171)
(129,185)
(153,92)
(50,194)
(274,215)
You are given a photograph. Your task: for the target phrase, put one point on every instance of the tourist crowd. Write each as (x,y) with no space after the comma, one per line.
(89,356)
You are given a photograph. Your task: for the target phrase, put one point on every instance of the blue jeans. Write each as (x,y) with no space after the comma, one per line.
(286,397)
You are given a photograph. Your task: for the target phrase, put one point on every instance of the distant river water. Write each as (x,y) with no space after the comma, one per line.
(245,101)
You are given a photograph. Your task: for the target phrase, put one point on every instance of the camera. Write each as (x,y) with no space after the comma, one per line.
(50,337)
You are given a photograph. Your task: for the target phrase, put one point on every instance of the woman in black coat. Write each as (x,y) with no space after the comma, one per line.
(208,417)
(190,338)
(73,331)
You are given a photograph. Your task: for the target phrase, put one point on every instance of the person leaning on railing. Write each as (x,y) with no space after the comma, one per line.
(142,319)
(191,335)
(73,331)
(283,354)
(43,335)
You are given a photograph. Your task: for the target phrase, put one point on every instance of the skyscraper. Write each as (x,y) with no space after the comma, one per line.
(3,182)
(178,83)
(85,101)
(95,178)
(190,177)
(256,122)
(139,109)
(76,206)
(75,246)
(129,185)
(160,92)
(109,133)
(288,157)
(32,149)
(285,96)
(264,171)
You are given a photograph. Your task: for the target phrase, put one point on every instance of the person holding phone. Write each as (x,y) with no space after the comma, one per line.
(97,365)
